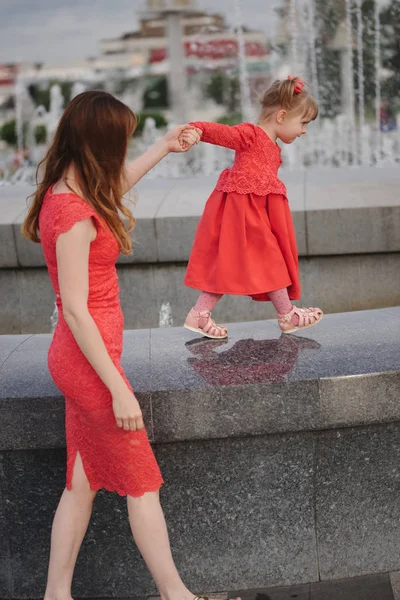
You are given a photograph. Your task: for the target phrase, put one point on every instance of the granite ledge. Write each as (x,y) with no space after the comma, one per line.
(345,373)
(363,204)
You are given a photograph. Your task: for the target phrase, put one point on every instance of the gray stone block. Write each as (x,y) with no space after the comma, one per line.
(240,511)
(395,582)
(353,400)
(10,310)
(353,231)
(139,298)
(144,202)
(357,501)
(8,344)
(6,588)
(299,592)
(333,189)
(29,253)
(350,283)
(37,418)
(8,250)
(25,373)
(34,423)
(11,206)
(32,485)
(247,392)
(36,299)
(372,587)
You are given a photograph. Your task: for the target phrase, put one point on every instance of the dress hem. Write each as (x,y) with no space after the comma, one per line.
(230,293)
(120,492)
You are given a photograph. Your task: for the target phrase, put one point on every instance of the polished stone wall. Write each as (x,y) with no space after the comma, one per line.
(280,454)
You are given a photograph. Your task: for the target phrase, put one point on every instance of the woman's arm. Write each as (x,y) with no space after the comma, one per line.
(179,139)
(72,249)
(237,137)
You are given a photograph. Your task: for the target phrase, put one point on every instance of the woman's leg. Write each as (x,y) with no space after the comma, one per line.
(69,527)
(149,530)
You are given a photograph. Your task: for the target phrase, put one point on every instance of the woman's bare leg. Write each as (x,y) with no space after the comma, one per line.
(69,527)
(149,530)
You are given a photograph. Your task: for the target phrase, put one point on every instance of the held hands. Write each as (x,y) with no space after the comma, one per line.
(182,138)
(127,410)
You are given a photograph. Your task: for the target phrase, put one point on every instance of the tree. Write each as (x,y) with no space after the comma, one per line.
(156,94)
(8,132)
(225,90)
(41,95)
(390,20)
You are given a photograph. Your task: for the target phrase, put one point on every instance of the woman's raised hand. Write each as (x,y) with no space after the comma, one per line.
(182,138)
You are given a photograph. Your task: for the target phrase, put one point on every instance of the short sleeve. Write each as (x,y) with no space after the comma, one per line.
(69,211)
(236,137)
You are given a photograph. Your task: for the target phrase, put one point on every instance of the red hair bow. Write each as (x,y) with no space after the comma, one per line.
(298,88)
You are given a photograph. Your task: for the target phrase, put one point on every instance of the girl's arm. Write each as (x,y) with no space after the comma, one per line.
(237,137)
(72,250)
(179,139)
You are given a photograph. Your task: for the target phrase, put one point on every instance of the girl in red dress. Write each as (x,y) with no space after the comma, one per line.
(77,210)
(245,242)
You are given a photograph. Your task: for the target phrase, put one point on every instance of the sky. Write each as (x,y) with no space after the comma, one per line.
(58,30)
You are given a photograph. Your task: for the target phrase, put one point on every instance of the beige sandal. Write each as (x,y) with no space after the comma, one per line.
(201,322)
(308,317)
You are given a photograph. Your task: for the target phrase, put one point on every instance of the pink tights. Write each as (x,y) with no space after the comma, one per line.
(279,298)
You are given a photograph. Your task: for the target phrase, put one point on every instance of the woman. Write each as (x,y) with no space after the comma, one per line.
(78,211)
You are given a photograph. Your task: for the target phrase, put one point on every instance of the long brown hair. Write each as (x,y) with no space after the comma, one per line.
(285,94)
(92,136)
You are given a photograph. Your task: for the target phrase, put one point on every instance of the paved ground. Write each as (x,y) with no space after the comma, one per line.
(372,587)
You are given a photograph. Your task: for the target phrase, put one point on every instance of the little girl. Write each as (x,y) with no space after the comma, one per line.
(245,242)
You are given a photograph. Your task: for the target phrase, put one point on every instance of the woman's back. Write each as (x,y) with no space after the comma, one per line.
(58,214)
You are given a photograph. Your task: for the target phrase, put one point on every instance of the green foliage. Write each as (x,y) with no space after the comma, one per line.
(159,118)
(216,87)
(8,132)
(390,20)
(156,94)
(41,95)
(224,90)
(40,134)
(233,119)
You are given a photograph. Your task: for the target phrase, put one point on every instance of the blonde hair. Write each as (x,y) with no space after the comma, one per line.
(288,95)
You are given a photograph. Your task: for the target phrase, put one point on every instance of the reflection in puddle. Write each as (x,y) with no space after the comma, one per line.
(248,361)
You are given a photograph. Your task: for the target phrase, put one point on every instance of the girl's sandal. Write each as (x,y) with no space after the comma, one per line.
(201,322)
(308,317)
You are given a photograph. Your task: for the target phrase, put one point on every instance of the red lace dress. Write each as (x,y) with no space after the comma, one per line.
(118,460)
(245,241)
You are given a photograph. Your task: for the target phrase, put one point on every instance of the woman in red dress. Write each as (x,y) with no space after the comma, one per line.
(245,242)
(77,210)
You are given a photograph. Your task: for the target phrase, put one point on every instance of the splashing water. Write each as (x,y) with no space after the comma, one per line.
(54,318)
(378,82)
(246,106)
(165,318)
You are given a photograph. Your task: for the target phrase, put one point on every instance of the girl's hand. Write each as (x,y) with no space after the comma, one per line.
(181,138)
(127,410)
(187,139)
